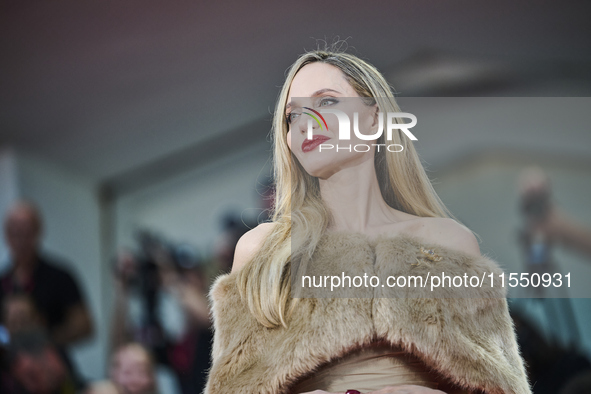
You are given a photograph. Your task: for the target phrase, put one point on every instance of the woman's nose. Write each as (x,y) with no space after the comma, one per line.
(307,123)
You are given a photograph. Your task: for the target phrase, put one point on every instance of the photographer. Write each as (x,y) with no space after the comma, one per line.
(36,291)
(158,270)
(546,223)
(53,289)
(556,367)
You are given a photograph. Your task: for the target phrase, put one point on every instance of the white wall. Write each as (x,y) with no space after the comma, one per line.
(8,191)
(188,208)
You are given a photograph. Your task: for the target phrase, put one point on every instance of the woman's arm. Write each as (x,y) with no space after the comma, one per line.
(250,243)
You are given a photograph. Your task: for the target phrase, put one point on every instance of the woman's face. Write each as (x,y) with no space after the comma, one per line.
(320,86)
(132,371)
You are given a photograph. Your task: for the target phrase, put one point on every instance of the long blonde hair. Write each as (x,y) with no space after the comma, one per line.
(265,281)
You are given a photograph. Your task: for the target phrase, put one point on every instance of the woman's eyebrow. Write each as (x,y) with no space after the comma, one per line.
(322,91)
(315,94)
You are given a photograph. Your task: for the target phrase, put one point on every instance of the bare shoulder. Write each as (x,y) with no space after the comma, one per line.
(250,243)
(448,232)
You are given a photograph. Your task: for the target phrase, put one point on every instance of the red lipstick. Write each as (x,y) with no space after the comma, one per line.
(310,145)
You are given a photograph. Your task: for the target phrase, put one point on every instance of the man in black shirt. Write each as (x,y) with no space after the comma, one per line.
(53,291)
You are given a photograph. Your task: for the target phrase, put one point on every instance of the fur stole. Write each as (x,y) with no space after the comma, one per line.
(469,340)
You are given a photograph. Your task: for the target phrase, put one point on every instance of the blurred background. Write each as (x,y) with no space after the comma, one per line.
(140,131)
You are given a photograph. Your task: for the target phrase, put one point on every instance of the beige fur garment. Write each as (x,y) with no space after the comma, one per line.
(466,337)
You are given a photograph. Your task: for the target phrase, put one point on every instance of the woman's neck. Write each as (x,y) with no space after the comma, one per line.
(354,198)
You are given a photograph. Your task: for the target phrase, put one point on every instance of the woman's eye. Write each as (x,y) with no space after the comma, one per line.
(290,117)
(328,101)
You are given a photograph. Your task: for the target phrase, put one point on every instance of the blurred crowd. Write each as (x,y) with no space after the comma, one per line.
(44,311)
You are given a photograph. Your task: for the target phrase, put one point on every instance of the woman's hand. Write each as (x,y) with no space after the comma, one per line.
(406,389)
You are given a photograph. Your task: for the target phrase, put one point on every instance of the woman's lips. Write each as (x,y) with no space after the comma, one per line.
(310,145)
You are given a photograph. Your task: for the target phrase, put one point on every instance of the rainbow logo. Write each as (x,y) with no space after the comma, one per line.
(315,118)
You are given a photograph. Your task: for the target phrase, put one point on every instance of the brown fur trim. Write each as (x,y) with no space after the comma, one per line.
(469,340)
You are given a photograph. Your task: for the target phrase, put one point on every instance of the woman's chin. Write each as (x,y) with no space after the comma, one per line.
(317,173)
(316,163)
(322,173)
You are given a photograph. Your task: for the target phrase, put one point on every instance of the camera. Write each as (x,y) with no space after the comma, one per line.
(536,204)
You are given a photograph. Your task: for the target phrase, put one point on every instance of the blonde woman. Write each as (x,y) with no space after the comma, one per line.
(361,212)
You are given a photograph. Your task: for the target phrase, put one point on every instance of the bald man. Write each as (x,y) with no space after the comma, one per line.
(53,291)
